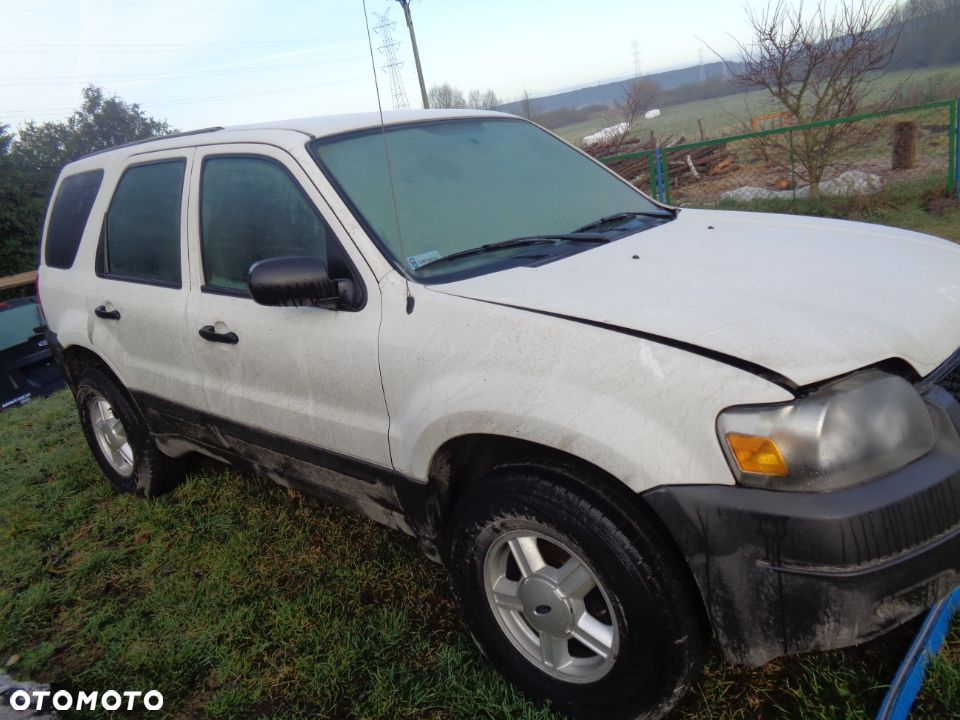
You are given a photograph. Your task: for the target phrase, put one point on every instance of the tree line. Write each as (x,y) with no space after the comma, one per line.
(31,161)
(450,97)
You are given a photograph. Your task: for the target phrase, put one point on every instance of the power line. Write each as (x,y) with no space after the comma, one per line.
(187,101)
(391,64)
(257,43)
(141,77)
(74,48)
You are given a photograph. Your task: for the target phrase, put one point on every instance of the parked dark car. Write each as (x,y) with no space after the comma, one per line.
(27,369)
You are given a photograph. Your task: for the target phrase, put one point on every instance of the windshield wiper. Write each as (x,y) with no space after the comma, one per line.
(627,215)
(596,238)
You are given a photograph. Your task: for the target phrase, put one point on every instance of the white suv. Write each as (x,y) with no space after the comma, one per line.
(620,425)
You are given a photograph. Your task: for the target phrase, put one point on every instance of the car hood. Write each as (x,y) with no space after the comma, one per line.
(807,298)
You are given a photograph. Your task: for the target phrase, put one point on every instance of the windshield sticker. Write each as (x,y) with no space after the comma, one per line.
(417,261)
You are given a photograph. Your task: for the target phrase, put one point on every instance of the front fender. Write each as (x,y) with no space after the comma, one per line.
(641,411)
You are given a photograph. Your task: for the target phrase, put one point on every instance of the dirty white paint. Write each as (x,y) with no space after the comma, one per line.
(640,410)
(807,298)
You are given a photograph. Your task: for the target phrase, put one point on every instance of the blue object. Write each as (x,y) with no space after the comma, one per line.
(659,166)
(907,682)
(956,147)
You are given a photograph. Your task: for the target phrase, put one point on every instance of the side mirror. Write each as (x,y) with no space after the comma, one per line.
(296,282)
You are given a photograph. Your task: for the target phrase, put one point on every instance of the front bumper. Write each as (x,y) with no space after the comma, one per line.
(787,572)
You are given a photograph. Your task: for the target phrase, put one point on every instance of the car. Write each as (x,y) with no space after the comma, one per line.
(623,427)
(27,367)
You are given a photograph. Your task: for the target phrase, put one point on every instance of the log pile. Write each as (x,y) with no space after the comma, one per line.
(712,161)
(683,167)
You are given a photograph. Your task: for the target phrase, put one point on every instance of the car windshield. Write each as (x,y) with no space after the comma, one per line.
(461,184)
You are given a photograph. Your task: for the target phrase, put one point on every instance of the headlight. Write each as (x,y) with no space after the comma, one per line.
(847,432)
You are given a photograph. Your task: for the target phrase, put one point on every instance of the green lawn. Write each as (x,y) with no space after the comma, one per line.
(922,206)
(238,599)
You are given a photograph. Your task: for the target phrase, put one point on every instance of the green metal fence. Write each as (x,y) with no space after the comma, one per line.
(861,154)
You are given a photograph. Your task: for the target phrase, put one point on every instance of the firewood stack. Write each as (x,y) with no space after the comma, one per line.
(712,161)
(683,167)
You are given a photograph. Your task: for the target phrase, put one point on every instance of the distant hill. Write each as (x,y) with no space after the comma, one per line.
(610,92)
(928,38)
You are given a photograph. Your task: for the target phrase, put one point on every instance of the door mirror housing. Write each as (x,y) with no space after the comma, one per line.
(297,282)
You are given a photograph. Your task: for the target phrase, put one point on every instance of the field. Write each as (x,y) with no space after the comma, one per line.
(731,115)
(236,598)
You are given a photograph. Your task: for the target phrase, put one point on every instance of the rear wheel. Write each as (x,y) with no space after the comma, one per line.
(573,598)
(119,439)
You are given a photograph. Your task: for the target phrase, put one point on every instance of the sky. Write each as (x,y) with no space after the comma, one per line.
(197,63)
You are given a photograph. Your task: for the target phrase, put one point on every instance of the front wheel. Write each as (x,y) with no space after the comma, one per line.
(574,599)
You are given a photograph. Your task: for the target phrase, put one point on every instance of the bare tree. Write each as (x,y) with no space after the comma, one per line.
(638,98)
(446,96)
(627,114)
(479,100)
(817,65)
(490,100)
(526,106)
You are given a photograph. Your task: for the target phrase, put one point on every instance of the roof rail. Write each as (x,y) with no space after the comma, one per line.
(152,139)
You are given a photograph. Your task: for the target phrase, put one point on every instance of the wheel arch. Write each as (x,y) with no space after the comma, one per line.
(77,358)
(466,459)
(531,486)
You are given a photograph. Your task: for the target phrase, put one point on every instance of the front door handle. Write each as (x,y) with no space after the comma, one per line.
(102,312)
(208,333)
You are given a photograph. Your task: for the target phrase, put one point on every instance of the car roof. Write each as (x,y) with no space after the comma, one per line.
(336,124)
(281,132)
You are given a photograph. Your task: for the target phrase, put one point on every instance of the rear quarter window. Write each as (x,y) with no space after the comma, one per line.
(68,218)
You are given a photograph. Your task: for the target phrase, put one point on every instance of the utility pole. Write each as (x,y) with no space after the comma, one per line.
(405,4)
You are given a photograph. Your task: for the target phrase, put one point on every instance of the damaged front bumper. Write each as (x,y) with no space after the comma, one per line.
(789,572)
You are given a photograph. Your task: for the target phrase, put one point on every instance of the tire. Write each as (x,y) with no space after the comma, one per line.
(120,440)
(614,609)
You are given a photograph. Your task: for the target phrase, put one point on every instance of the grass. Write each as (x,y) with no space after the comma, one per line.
(238,599)
(922,206)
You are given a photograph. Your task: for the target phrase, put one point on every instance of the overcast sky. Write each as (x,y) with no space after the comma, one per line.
(218,62)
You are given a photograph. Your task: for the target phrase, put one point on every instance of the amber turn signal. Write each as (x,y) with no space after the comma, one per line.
(757,455)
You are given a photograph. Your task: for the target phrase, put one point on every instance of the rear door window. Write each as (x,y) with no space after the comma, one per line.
(141,240)
(68,218)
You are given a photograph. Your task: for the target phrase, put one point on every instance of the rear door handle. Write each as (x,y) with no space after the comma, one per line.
(208,333)
(102,312)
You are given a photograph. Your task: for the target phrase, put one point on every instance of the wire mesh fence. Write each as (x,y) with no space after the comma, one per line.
(858,155)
